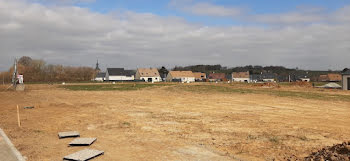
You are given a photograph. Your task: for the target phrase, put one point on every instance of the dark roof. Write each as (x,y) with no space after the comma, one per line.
(101,74)
(268,76)
(346,72)
(120,71)
(256,77)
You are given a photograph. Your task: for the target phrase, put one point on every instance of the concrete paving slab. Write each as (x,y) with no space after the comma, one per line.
(68,134)
(8,152)
(83,155)
(82,141)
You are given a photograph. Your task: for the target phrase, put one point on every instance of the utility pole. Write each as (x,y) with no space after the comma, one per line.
(14,76)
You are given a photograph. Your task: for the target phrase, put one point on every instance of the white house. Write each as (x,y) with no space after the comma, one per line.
(100,77)
(241,77)
(181,76)
(119,74)
(148,75)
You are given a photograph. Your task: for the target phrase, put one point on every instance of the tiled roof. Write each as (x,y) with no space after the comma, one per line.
(179,74)
(240,75)
(148,72)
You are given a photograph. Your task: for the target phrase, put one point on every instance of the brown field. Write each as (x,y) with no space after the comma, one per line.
(179,121)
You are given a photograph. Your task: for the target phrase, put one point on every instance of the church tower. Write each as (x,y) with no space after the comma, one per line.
(97,67)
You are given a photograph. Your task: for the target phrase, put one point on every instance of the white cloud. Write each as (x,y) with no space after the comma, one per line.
(206,9)
(77,36)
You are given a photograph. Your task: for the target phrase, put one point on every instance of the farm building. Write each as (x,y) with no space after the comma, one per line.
(268,77)
(148,75)
(346,80)
(100,77)
(119,74)
(217,77)
(241,77)
(199,76)
(180,76)
(331,77)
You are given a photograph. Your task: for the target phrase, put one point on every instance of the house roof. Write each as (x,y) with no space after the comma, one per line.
(120,72)
(268,76)
(101,74)
(346,72)
(179,74)
(334,77)
(217,76)
(148,72)
(199,75)
(240,74)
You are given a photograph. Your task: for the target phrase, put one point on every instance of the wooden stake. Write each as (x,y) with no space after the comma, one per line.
(18,118)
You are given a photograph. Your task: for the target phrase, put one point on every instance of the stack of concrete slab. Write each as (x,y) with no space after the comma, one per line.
(82,155)
(68,134)
(82,141)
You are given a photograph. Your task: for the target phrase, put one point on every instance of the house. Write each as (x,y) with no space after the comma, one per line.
(302,78)
(119,74)
(217,77)
(346,80)
(148,75)
(268,77)
(198,76)
(100,77)
(180,76)
(241,77)
(331,77)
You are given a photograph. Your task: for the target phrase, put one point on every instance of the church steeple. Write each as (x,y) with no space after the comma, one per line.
(97,66)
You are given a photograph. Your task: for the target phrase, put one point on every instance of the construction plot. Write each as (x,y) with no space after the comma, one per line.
(69,134)
(83,155)
(82,142)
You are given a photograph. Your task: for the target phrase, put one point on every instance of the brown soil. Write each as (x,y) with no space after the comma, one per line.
(339,152)
(165,123)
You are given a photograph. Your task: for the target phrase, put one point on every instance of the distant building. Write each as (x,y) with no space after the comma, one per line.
(97,67)
(119,74)
(241,77)
(331,77)
(100,77)
(346,80)
(217,77)
(180,76)
(268,77)
(198,76)
(148,75)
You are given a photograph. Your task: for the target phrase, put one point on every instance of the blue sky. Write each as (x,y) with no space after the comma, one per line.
(163,7)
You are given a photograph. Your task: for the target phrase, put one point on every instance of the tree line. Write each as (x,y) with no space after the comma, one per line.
(39,71)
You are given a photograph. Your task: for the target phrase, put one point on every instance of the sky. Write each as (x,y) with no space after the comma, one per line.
(308,34)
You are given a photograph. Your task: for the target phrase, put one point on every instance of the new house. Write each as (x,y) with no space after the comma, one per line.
(199,76)
(100,77)
(148,75)
(180,76)
(119,74)
(346,80)
(241,77)
(217,77)
(331,77)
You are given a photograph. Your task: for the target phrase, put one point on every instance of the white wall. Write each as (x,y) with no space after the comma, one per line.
(120,78)
(241,80)
(345,82)
(268,80)
(100,79)
(154,79)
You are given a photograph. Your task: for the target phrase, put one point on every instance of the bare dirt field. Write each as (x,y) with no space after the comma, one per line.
(178,122)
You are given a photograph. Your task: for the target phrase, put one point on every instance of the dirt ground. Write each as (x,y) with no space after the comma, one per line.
(166,123)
